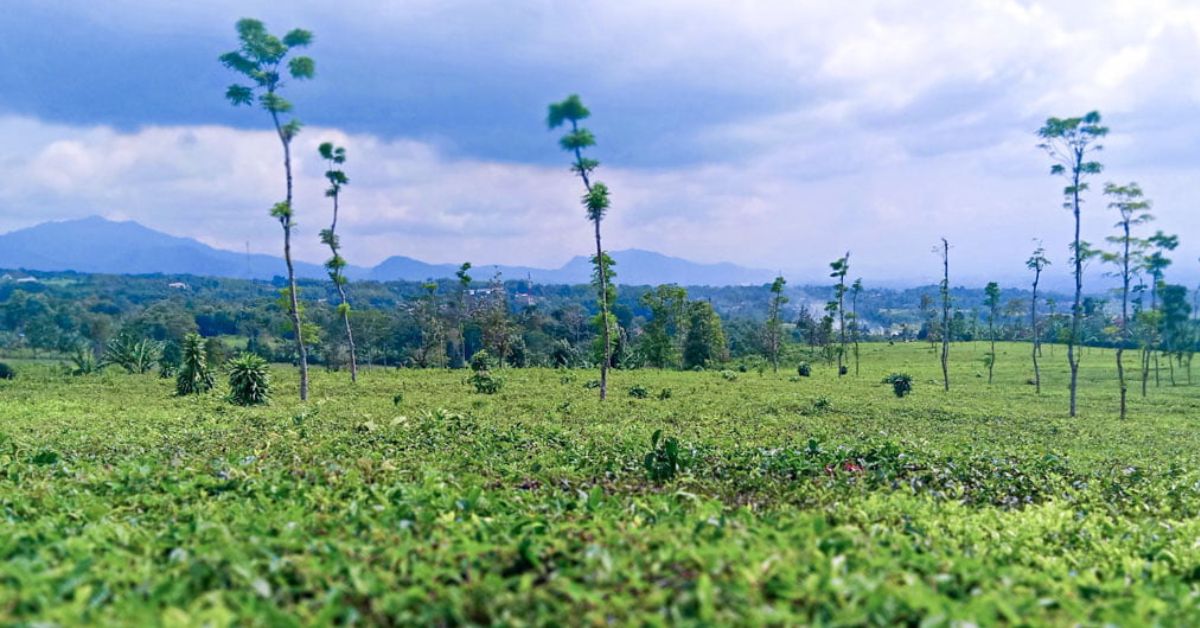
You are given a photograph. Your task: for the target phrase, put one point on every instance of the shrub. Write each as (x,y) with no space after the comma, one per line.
(133,355)
(194,377)
(485,383)
(7,372)
(639,392)
(662,463)
(249,380)
(591,384)
(901,383)
(729,375)
(664,394)
(804,369)
(843,369)
(482,361)
(83,361)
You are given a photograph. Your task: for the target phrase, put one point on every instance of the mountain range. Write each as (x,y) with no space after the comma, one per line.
(98,245)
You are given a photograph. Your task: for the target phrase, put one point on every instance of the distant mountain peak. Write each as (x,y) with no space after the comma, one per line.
(99,245)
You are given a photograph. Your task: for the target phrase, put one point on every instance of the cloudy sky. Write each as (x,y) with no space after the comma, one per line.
(770,134)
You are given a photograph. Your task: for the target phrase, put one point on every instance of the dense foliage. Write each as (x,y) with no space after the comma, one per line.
(762,500)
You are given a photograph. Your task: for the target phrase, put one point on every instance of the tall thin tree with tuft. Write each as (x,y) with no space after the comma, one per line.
(334,157)
(1037,262)
(855,290)
(992,300)
(263,58)
(840,268)
(596,201)
(464,284)
(945,291)
(1155,264)
(774,325)
(1070,143)
(1134,210)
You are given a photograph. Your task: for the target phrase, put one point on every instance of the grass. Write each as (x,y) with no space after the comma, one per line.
(815,501)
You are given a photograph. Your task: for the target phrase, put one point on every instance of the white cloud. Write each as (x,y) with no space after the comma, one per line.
(887,125)
(405,197)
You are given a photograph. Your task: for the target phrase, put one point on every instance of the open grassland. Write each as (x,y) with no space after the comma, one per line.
(781,500)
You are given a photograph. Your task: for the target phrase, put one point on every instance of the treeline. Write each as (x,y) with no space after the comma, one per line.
(443,323)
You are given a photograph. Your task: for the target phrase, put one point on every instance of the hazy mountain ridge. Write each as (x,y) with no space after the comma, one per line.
(98,245)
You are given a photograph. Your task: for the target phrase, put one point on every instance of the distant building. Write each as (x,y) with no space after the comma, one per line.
(27,280)
(177,285)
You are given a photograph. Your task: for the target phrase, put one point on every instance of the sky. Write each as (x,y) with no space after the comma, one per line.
(774,135)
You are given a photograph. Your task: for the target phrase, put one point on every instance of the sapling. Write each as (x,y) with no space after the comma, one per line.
(334,157)
(1070,143)
(1134,210)
(262,58)
(596,201)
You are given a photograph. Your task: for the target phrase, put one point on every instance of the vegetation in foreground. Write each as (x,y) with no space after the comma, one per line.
(758,498)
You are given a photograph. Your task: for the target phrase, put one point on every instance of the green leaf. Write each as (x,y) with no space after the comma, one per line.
(571,110)
(297,38)
(577,140)
(302,68)
(239,95)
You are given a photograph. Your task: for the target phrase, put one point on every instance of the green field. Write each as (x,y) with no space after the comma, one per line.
(794,501)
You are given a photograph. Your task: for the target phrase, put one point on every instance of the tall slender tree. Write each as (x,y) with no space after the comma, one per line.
(334,157)
(596,201)
(840,268)
(944,288)
(263,58)
(992,300)
(1070,143)
(1037,262)
(1156,264)
(855,290)
(464,284)
(774,325)
(1134,210)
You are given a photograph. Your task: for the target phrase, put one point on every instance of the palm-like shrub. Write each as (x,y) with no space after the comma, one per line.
(7,372)
(193,377)
(83,361)
(133,354)
(249,380)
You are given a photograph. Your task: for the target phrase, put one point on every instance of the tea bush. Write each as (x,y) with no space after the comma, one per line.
(754,504)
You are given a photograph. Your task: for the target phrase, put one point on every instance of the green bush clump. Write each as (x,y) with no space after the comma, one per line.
(664,394)
(639,392)
(249,380)
(193,377)
(7,372)
(662,463)
(804,369)
(481,377)
(901,383)
(729,375)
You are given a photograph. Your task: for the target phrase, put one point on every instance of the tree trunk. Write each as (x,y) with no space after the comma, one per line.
(1077,307)
(1037,374)
(338,281)
(945,315)
(293,301)
(603,313)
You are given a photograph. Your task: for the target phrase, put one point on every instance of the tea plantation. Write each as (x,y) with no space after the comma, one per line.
(700,498)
